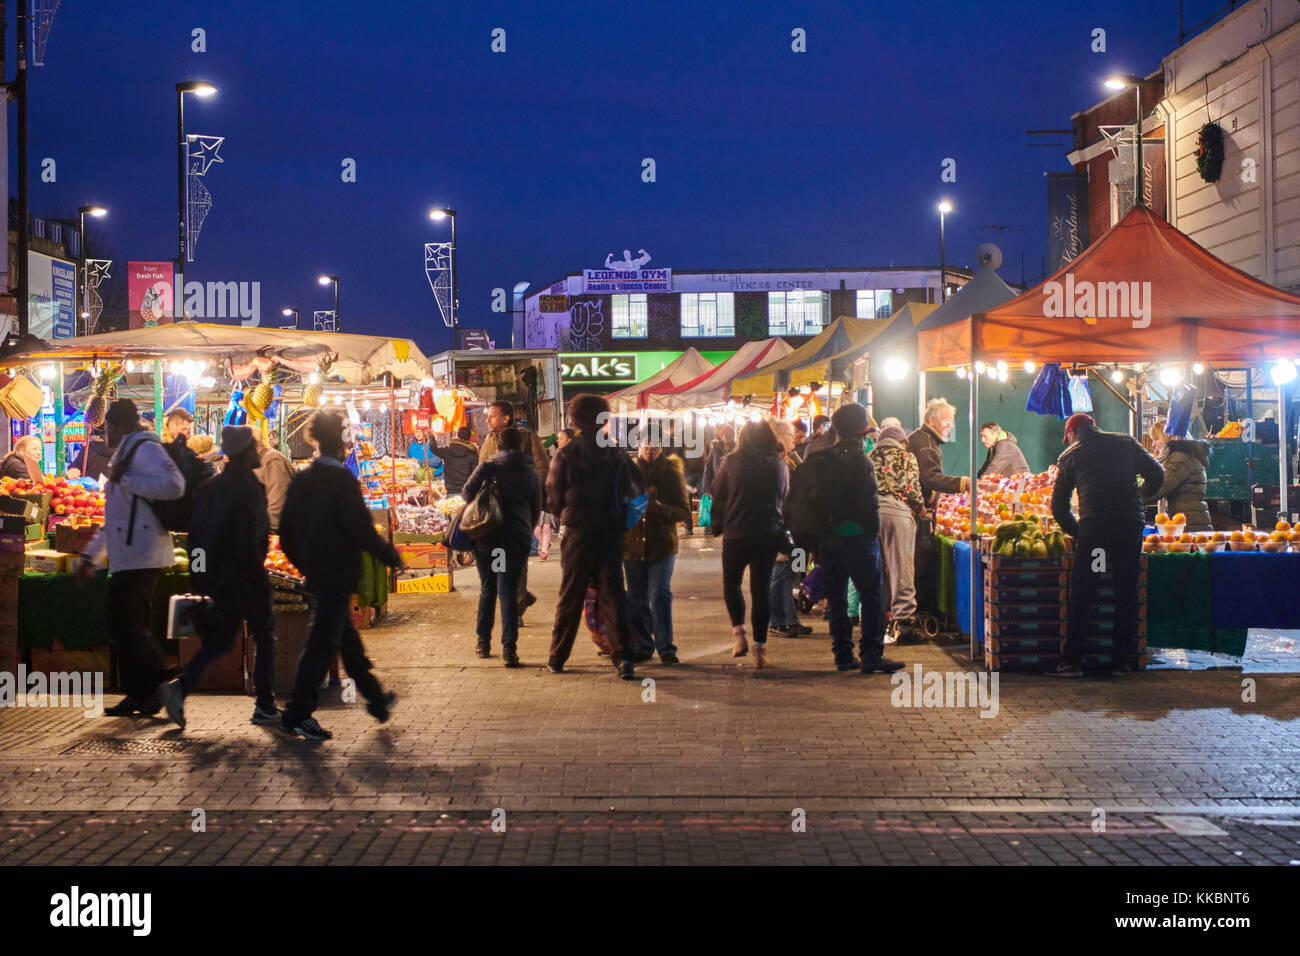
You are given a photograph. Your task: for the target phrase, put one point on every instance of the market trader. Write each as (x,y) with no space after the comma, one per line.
(1108,533)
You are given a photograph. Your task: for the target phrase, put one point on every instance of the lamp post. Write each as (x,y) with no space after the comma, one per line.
(945,207)
(326,280)
(82,212)
(200,89)
(438,214)
(1120,82)
(288,311)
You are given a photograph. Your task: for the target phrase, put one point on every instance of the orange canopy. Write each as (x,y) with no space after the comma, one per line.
(1143,292)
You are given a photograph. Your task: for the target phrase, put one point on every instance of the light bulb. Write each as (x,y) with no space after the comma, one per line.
(895,369)
(130,366)
(1002,366)
(1198,368)
(1171,375)
(961,371)
(1117,376)
(1002,375)
(313,379)
(992,372)
(1029,366)
(366,404)
(979,368)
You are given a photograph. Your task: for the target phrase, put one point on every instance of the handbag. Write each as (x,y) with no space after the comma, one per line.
(482,516)
(706,509)
(456,539)
(635,510)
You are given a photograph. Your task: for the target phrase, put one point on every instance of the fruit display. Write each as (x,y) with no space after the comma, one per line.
(277,561)
(1012,500)
(1280,540)
(1230,430)
(65,498)
(428,519)
(1026,539)
(1171,525)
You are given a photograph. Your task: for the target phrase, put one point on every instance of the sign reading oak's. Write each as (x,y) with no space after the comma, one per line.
(598,368)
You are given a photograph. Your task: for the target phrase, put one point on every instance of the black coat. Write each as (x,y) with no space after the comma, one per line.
(230,525)
(13,466)
(326,525)
(748,493)
(520,494)
(459,459)
(1103,467)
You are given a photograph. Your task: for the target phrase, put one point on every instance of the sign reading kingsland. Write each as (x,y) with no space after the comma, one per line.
(598,368)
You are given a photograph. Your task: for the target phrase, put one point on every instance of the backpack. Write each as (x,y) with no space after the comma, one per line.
(174,514)
(812,502)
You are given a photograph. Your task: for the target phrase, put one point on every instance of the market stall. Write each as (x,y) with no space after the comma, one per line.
(687,367)
(1142,295)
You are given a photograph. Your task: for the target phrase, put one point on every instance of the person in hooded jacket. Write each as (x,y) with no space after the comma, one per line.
(719,448)
(650,551)
(1183,489)
(1004,459)
(459,459)
(500,557)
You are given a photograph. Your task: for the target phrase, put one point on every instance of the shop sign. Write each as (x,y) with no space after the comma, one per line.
(149,293)
(598,368)
(75,431)
(553,303)
(475,339)
(627,280)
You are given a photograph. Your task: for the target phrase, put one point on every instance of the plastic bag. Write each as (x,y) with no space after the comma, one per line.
(706,510)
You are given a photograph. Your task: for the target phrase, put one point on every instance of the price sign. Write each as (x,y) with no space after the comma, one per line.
(1248,430)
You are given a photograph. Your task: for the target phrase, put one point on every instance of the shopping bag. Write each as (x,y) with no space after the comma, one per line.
(595,623)
(635,509)
(706,510)
(482,516)
(457,539)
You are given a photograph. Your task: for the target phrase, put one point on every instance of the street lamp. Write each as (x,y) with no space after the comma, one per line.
(1123,81)
(326,280)
(201,89)
(287,311)
(945,207)
(82,213)
(437,214)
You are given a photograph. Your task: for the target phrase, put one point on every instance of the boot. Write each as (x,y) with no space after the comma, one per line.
(760,657)
(742,645)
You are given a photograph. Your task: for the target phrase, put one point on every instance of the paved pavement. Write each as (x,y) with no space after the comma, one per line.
(712,763)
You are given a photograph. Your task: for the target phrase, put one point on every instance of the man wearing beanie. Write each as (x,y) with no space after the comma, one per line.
(1108,532)
(138,548)
(228,532)
(843,480)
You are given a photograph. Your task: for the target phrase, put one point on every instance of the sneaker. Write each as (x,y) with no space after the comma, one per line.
(173,698)
(802,629)
(1064,670)
(669,658)
(266,714)
(1120,670)
(382,709)
(883,664)
(126,707)
(626,671)
(509,657)
(554,668)
(483,650)
(307,728)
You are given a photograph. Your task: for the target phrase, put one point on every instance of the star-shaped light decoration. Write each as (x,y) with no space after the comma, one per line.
(202,151)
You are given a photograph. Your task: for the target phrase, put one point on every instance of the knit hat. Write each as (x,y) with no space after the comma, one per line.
(851,420)
(892,431)
(1078,422)
(235,439)
(123,414)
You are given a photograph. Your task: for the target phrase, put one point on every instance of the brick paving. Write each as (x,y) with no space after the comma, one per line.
(587,769)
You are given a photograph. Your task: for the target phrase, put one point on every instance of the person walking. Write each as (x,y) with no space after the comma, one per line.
(748,491)
(323,530)
(650,551)
(1183,488)
(501,556)
(138,548)
(500,416)
(845,483)
(898,483)
(459,459)
(274,471)
(229,528)
(723,444)
(589,481)
(1004,458)
(785,620)
(1102,466)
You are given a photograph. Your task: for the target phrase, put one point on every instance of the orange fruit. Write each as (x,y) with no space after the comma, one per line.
(1162,518)
(1180,518)
(1152,538)
(1168,538)
(1283,526)
(1217,536)
(1236,536)
(1185,538)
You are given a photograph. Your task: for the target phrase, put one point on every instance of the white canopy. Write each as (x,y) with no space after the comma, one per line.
(689,366)
(711,387)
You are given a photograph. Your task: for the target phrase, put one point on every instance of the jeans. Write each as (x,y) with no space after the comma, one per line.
(331,631)
(782,597)
(499,585)
(758,553)
(127,613)
(853,558)
(650,605)
(1122,546)
(218,637)
(590,557)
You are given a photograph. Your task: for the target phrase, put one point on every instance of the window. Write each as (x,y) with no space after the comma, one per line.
(629,321)
(708,314)
(875,303)
(797,313)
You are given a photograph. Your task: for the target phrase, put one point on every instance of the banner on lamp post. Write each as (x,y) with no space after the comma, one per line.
(149,291)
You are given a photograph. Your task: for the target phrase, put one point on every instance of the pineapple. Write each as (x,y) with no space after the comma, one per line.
(97,407)
(311,395)
(263,396)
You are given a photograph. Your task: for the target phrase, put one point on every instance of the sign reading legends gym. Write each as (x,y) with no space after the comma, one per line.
(598,368)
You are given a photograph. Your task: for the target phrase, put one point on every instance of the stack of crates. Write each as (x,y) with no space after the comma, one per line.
(1026,606)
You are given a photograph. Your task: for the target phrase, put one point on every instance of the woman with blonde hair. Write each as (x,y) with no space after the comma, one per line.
(25,460)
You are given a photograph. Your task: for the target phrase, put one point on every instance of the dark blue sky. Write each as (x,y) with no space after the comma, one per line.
(765,158)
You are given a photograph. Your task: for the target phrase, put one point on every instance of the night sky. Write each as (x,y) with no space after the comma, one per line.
(765,158)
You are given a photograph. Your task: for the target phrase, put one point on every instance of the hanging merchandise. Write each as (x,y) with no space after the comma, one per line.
(1050,395)
(451,409)
(235,413)
(273,411)
(1080,394)
(1180,410)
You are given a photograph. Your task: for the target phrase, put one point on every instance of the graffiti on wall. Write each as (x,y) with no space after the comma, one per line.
(586,323)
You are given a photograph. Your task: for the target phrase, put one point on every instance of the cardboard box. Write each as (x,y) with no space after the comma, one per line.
(13,524)
(21,507)
(12,563)
(73,539)
(423,556)
(429,584)
(46,561)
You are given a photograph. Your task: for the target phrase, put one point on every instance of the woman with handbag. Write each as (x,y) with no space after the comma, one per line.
(650,551)
(748,491)
(504,499)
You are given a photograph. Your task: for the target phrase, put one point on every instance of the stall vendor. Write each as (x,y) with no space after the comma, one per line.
(423,452)
(25,460)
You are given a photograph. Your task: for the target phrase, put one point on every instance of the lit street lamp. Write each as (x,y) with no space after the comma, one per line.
(200,89)
(326,280)
(437,214)
(1120,82)
(82,212)
(945,207)
(286,312)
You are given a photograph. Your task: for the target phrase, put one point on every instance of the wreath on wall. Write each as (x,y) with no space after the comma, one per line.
(1209,152)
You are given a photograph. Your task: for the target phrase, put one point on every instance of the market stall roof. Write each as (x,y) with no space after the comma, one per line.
(357,359)
(845,332)
(687,367)
(889,333)
(985,291)
(1143,292)
(711,387)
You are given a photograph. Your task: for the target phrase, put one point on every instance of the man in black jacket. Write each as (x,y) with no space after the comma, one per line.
(1102,466)
(324,529)
(459,459)
(850,550)
(227,541)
